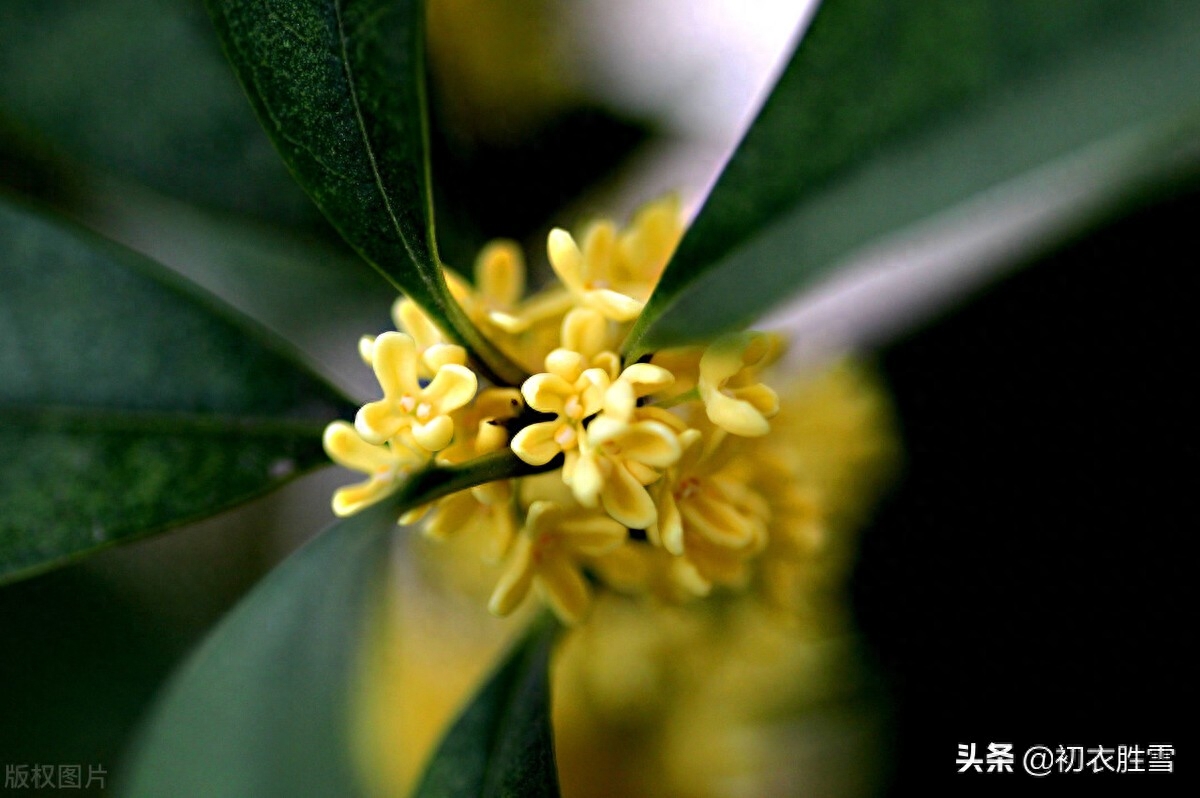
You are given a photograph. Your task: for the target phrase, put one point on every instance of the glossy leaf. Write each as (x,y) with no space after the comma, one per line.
(339,86)
(890,114)
(264,706)
(126,404)
(501,744)
(140,87)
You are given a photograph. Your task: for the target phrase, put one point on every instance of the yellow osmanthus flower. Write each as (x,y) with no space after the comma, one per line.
(712,514)
(550,553)
(588,274)
(406,404)
(484,510)
(385,465)
(569,391)
(497,300)
(626,449)
(732,397)
(667,478)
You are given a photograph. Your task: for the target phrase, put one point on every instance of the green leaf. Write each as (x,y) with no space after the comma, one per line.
(126,404)
(890,114)
(140,87)
(264,706)
(339,86)
(501,745)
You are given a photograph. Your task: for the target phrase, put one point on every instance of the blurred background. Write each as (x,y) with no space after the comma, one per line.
(1023,580)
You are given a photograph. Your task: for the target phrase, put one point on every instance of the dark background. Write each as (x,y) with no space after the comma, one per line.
(1027,582)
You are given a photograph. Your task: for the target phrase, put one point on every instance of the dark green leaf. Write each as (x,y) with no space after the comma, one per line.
(264,706)
(502,745)
(892,113)
(340,87)
(140,87)
(126,405)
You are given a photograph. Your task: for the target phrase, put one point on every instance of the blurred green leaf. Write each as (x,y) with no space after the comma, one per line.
(340,87)
(264,706)
(126,404)
(892,113)
(140,87)
(501,745)
(314,295)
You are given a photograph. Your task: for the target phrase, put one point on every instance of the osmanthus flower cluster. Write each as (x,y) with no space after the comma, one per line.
(662,476)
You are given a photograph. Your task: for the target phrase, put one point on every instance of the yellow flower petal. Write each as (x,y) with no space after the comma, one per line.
(350,499)
(452,387)
(434,434)
(718,521)
(440,355)
(378,421)
(614,305)
(566,363)
(735,415)
(564,589)
(547,393)
(453,513)
(599,247)
(515,581)
(411,319)
(500,273)
(504,532)
(566,259)
(593,535)
(586,478)
(585,331)
(366,348)
(647,378)
(762,398)
(651,443)
(536,444)
(627,500)
(348,449)
(394,358)
(670,523)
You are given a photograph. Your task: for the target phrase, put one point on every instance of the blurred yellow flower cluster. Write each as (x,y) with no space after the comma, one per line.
(755,692)
(665,476)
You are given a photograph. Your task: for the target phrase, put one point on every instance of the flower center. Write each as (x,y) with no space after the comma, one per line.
(565,437)
(687,488)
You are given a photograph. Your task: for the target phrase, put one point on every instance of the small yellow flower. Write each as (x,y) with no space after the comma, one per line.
(408,405)
(572,393)
(432,350)
(500,284)
(481,425)
(645,247)
(614,272)
(485,510)
(549,553)
(587,332)
(625,450)
(732,398)
(675,449)
(587,273)
(386,465)
(464,513)
(710,511)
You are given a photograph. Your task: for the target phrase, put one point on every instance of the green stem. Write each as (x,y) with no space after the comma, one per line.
(687,396)
(437,481)
(491,362)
